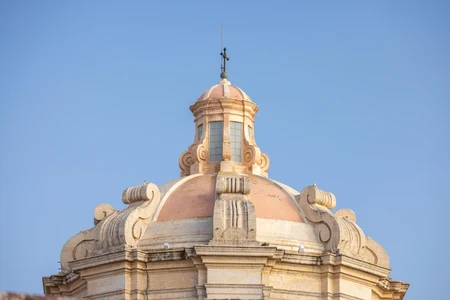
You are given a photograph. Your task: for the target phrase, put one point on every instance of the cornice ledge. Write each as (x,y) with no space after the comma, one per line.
(354,263)
(234,285)
(173,290)
(299,258)
(60,279)
(325,295)
(166,255)
(247,251)
(299,293)
(387,288)
(125,254)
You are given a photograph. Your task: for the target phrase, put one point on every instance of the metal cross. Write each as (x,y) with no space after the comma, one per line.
(225,58)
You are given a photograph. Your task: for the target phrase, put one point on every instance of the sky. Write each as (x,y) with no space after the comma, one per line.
(352,95)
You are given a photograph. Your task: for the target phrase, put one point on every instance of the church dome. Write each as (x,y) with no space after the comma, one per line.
(224,229)
(194,198)
(185,214)
(224,90)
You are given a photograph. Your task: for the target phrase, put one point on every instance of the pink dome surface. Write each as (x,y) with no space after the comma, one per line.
(195,198)
(222,90)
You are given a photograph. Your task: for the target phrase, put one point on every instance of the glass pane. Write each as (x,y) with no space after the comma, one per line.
(236,141)
(215,141)
(199,132)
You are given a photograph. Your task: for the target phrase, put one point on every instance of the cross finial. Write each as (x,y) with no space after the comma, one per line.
(224,73)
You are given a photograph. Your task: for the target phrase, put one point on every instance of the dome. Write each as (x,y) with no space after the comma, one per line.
(224,229)
(224,89)
(185,214)
(195,196)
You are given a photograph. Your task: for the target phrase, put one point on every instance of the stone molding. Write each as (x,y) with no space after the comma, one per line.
(387,288)
(232,184)
(234,218)
(265,261)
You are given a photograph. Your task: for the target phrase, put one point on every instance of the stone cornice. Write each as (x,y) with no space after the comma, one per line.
(220,106)
(269,259)
(354,263)
(387,288)
(314,294)
(63,284)
(120,255)
(238,251)
(280,256)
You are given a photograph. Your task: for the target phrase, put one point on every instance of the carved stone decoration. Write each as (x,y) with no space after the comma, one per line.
(264,164)
(346,213)
(380,256)
(255,161)
(144,192)
(102,211)
(338,232)
(79,246)
(113,228)
(185,162)
(124,228)
(195,157)
(234,214)
(250,154)
(199,153)
(319,197)
(388,289)
(84,249)
(233,185)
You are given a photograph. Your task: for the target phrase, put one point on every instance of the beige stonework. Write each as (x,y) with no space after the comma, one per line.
(218,105)
(224,230)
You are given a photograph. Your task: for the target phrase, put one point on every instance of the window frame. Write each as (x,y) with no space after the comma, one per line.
(236,138)
(199,132)
(215,141)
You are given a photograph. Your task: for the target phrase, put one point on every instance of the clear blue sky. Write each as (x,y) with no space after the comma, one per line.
(353,96)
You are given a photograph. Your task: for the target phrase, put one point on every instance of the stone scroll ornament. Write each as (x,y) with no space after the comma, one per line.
(234,214)
(197,154)
(338,232)
(185,162)
(113,229)
(124,228)
(255,161)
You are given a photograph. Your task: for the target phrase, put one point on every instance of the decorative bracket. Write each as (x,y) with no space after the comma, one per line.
(338,232)
(234,214)
(195,157)
(256,162)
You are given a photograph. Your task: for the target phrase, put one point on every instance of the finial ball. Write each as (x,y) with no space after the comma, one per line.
(224,75)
